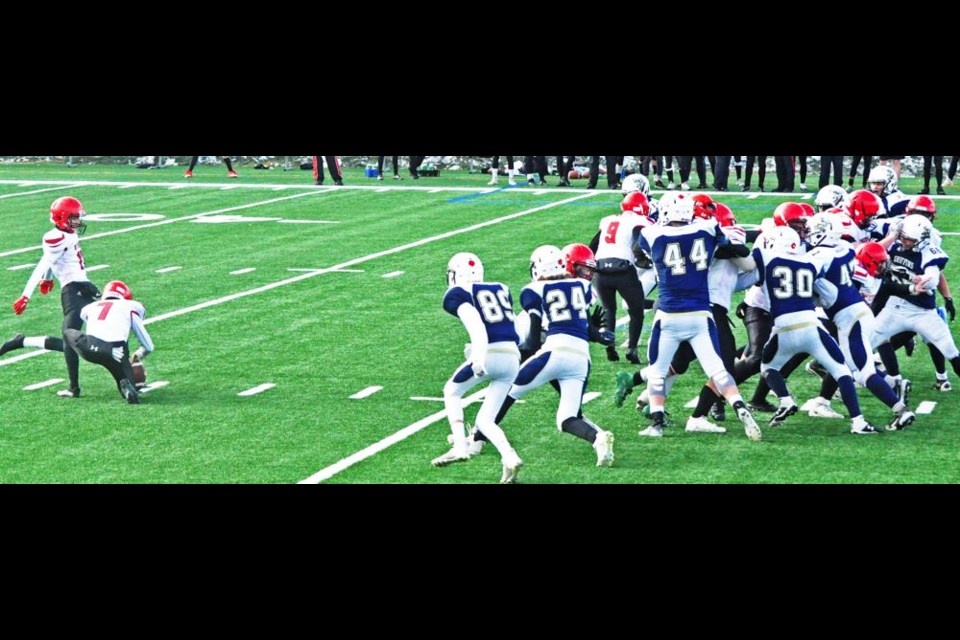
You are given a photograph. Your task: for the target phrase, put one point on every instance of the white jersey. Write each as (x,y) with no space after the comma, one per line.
(755,295)
(869,285)
(616,235)
(111,321)
(722,280)
(62,256)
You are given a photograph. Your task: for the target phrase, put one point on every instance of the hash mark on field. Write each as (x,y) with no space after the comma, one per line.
(21,266)
(593,395)
(241,271)
(692,404)
(925,407)
(168,269)
(126,186)
(392,274)
(154,385)
(97,267)
(41,385)
(335,468)
(753,196)
(260,388)
(369,391)
(308,221)
(426,398)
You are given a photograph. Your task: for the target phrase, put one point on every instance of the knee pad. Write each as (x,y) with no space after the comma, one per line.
(656,386)
(722,380)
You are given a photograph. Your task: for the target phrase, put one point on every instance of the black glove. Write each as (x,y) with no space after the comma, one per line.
(952,310)
(597,317)
(741,310)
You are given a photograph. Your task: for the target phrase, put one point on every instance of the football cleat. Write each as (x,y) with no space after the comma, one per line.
(867,428)
(782,413)
(905,419)
(750,426)
(719,411)
(604,448)
(653,431)
(763,407)
(450,457)
(510,471)
(942,385)
(69,393)
(624,387)
(702,425)
(129,392)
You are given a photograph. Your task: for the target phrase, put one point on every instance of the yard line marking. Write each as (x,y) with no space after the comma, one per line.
(179,186)
(593,395)
(126,186)
(806,196)
(260,388)
(318,272)
(229,187)
(925,407)
(330,471)
(315,269)
(168,269)
(194,216)
(41,385)
(241,271)
(392,274)
(154,385)
(97,267)
(364,393)
(692,404)
(282,221)
(22,266)
(29,193)
(426,398)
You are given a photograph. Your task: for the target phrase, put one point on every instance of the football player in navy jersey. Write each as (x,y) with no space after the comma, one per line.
(682,249)
(851,315)
(561,294)
(883,182)
(912,279)
(486,310)
(790,280)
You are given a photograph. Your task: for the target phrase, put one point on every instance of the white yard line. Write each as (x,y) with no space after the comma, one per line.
(393,274)
(260,388)
(365,393)
(426,398)
(97,267)
(194,216)
(168,269)
(22,266)
(29,193)
(41,385)
(154,385)
(328,472)
(593,395)
(242,271)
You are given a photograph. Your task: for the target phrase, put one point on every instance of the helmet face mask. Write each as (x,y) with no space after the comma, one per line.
(914,233)
(67,214)
(579,261)
(882,180)
(464,269)
(831,196)
(635,182)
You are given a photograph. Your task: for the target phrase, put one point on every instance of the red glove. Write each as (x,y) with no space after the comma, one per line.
(20,305)
(46,286)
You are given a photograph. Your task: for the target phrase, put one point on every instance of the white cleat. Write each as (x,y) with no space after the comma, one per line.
(474,447)
(821,409)
(702,425)
(511,469)
(942,385)
(750,426)
(604,448)
(653,431)
(905,419)
(449,458)
(866,429)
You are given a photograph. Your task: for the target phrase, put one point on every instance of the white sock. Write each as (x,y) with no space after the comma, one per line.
(454,407)
(940,376)
(498,439)
(859,422)
(893,381)
(35,341)
(786,402)
(493,174)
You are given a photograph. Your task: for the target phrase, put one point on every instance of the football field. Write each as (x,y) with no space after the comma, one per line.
(300,338)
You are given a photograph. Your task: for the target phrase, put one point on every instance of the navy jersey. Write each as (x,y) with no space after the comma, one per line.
(893,204)
(563,303)
(682,256)
(788,281)
(906,264)
(494,303)
(837,265)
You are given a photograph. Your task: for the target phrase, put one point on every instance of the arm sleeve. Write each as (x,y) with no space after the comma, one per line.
(478,332)
(752,235)
(826,291)
(595,243)
(40,272)
(536,331)
(747,279)
(136,323)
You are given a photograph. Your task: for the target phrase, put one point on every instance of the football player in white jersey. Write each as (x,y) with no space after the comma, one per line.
(62,258)
(486,310)
(617,270)
(883,182)
(105,341)
(562,293)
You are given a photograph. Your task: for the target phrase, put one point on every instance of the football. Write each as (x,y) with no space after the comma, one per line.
(139,374)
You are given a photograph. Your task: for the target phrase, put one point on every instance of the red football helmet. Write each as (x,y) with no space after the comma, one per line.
(724,215)
(704,206)
(924,205)
(636,202)
(873,257)
(579,261)
(808,209)
(863,206)
(116,290)
(67,213)
(791,214)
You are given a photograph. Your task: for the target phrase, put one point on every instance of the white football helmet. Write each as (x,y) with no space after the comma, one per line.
(785,240)
(884,176)
(916,230)
(676,207)
(547,261)
(636,182)
(831,196)
(463,269)
(828,229)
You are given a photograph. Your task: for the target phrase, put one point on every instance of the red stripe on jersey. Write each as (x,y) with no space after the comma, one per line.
(55,240)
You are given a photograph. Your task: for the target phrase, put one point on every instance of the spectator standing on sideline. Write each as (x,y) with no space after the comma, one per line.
(721,172)
(495,169)
(226,160)
(415,162)
(563,170)
(785,174)
(802,165)
(613,181)
(761,172)
(396,168)
(951,172)
(867,161)
(333,164)
(896,163)
(937,162)
(825,163)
